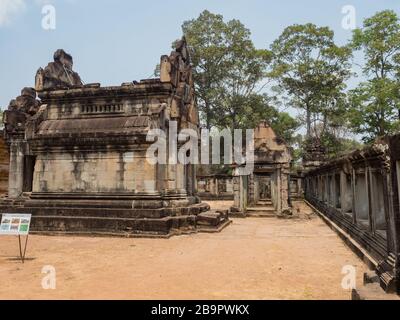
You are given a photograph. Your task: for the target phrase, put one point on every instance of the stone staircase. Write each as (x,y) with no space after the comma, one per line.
(263,209)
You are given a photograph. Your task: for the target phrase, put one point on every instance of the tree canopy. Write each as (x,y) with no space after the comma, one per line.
(227,68)
(311,71)
(374,104)
(238,85)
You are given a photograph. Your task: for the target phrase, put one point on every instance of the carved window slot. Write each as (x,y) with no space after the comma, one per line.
(361,199)
(329,190)
(378,202)
(347,196)
(338,197)
(102,109)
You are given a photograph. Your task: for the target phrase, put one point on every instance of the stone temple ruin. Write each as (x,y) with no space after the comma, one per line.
(78,158)
(265,191)
(215,186)
(358,196)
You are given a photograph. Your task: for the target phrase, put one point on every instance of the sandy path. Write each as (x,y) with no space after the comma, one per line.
(253,258)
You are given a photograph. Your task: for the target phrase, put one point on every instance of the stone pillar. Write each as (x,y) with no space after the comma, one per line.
(16,174)
(243,193)
(279,189)
(180,177)
(191,179)
(256,190)
(236,191)
(274,190)
(251,192)
(300,191)
(211,185)
(284,189)
(229,185)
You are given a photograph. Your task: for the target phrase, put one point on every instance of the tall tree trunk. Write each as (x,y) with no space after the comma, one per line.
(208,115)
(308,121)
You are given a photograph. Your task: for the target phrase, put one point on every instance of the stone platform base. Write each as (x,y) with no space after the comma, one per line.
(115,218)
(236,213)
(220,197)
(371,289)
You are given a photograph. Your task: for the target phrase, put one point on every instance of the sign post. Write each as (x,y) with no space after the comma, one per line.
(16,224)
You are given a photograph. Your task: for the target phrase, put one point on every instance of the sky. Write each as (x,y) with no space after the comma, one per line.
(116,41)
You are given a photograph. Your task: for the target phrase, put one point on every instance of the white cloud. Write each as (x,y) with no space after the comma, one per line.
(10,8)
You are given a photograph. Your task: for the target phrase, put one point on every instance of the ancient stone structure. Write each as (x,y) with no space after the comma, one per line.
(58,74)
(314,155)
(296,187)
(215,187)
(358,195)
(4,164)
(78,154)
(267,188)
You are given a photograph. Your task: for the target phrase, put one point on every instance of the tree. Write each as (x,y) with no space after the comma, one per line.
(260,107)
(311,71)
(228,69)
(374,104)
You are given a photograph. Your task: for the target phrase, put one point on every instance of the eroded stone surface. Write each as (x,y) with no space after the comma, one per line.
(78,153)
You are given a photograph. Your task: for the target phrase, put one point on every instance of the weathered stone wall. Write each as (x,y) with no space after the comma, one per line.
(212,187)
(272,160)
(78,153)
(4,166)
(93,172)
(358,195)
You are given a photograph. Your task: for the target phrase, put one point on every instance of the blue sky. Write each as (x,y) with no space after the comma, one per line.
(115,41)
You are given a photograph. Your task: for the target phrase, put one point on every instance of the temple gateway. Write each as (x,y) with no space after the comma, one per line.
(78,158)
(264,191)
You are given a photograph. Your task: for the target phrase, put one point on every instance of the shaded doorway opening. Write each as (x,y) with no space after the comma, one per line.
(29,168)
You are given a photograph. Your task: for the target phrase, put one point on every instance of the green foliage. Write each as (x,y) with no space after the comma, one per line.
(380,41)
(373,108)
(374,104)
(311,70)
(156,72)
(336,147)
(227,68)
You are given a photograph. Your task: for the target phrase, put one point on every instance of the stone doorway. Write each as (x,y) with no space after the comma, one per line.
(266,189)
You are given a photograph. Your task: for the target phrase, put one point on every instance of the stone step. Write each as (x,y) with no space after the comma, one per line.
(261,215)
(261,208)
(212,218)
(265,201)
(261,212)
(104,225)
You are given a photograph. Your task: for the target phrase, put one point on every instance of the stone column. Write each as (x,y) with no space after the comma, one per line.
(211,185)
(274,190)
(216,186)
(236,191)
(251,193)
(16,173)
(243,193)
(256,190)
(284,189)
(300,191)
(279,190)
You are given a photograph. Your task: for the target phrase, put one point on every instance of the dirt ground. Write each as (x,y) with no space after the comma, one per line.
(253,258)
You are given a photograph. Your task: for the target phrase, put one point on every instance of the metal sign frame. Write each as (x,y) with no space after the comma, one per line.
(16,224)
